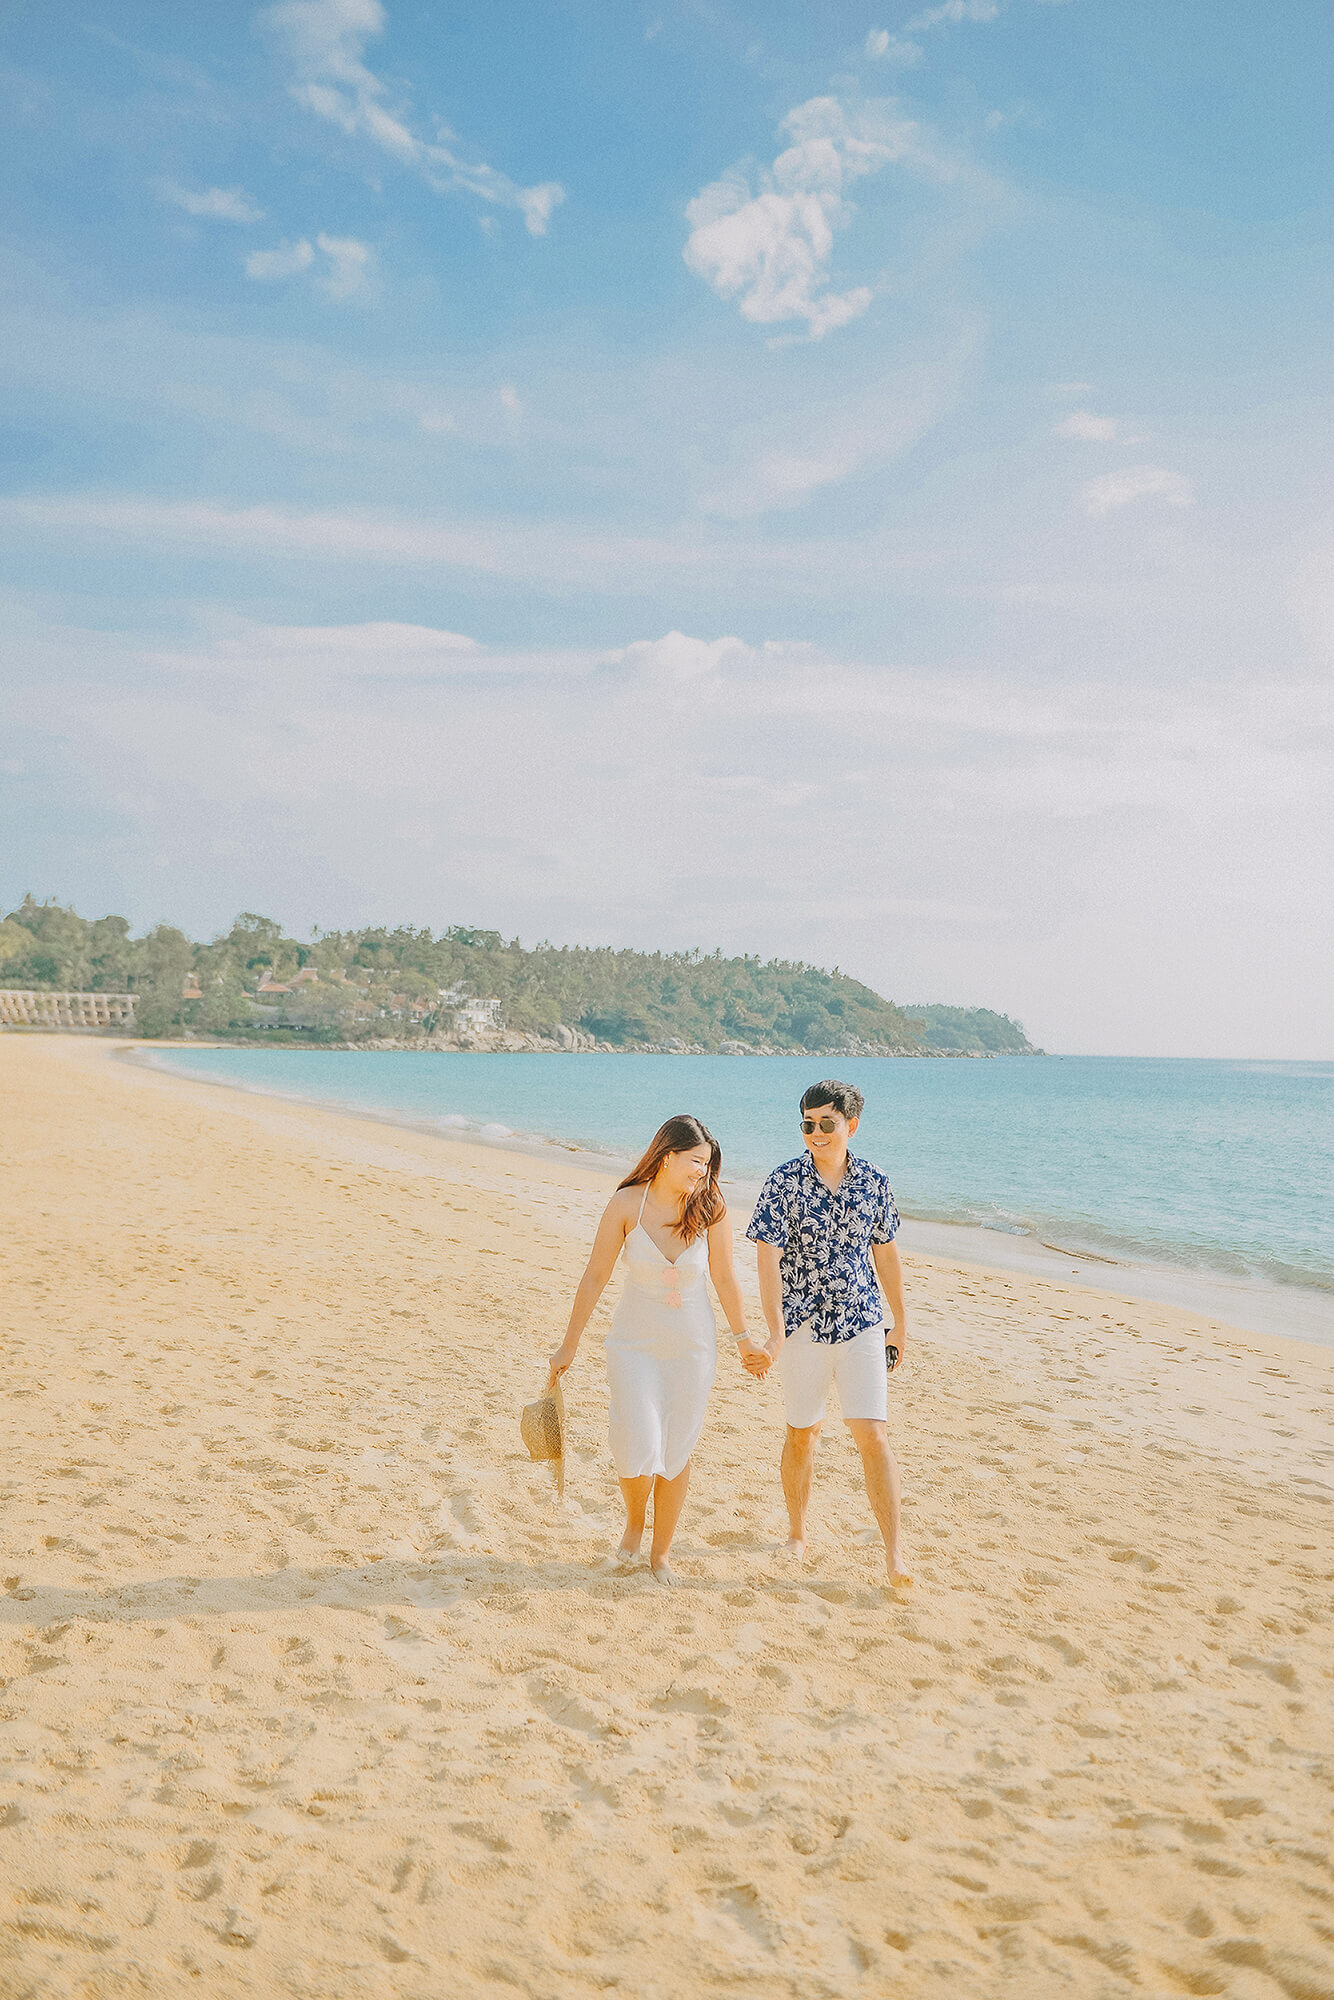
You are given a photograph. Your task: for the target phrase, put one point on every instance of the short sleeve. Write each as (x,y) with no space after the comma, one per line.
(887,1222)
(769,1222)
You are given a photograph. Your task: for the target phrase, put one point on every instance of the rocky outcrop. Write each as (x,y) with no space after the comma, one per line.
(563,1040)
(560,1040)
(572,1039)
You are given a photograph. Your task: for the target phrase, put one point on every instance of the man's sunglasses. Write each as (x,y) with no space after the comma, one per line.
(809,1125)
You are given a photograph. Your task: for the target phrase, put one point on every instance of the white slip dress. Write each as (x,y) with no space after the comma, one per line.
(662,1356)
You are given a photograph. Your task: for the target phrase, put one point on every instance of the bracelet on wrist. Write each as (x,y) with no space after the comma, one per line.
(742,1334)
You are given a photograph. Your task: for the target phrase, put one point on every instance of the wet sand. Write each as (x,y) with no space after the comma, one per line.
(311,1688)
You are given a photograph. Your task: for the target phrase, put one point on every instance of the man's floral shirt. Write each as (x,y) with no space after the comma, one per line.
(826,1239)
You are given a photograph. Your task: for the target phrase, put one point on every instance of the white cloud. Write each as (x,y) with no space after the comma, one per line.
(537,205)
(881,46)
(786,478)
(284,262)
(1085,731)
(1085,428)
(325,41)
(347,271)
(390,650)
(530,553)
(351,267)
(769,245)
(213,204)
(510,401)
(383,650)
(951,13)
(1136,482)
(828,442)
(676,657)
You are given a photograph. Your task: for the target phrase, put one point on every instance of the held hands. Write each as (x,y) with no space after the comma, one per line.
(756,1360)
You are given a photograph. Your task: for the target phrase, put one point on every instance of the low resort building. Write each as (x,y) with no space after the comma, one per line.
(23,1008)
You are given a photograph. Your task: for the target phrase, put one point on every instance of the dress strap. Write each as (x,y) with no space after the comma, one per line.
(643,1198)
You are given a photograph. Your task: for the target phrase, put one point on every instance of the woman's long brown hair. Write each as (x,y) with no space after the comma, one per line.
(681,1135)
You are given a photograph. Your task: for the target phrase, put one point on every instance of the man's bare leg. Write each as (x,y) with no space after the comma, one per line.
(798,1464)
(882,1489)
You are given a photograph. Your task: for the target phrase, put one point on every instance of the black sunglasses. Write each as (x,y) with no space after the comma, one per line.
(809,1125)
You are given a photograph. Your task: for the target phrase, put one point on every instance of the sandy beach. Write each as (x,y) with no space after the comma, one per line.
(310,1687)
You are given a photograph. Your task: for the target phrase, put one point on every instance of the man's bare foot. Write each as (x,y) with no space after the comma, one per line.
(792,1550)
(897,1570)
(664,1573)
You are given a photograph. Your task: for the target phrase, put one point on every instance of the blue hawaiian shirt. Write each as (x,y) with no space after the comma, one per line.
(826,1238)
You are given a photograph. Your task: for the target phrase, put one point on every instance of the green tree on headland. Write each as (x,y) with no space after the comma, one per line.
(253,981)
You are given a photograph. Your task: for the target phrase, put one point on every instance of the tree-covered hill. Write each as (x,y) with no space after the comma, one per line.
(972,1030)
(342,986)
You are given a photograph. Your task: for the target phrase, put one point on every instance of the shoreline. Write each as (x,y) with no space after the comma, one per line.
(522,1042)
(1289,1312)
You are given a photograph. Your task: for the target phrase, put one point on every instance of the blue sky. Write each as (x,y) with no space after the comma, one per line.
(835,482)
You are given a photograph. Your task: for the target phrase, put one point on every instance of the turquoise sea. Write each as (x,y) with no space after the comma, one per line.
(1220,1169)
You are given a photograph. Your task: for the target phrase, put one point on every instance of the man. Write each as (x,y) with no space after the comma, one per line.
(824,1230)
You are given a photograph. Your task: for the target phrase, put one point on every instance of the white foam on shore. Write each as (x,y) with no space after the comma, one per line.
(1290,1311)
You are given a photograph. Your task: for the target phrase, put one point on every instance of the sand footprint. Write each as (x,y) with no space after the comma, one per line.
(460,1522)
(1146,1563)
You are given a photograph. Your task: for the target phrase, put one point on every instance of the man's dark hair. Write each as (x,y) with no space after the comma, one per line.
(843,1097)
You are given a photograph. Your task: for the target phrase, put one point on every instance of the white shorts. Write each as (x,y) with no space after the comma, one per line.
(807,1366)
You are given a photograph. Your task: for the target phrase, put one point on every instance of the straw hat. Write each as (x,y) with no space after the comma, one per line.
(542,1428)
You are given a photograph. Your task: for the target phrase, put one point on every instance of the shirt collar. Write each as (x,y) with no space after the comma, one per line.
(851,1172)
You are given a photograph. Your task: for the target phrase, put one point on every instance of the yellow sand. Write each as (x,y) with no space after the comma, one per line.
(309,1688)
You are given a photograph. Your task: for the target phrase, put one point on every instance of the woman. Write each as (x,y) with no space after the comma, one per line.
(669,1220)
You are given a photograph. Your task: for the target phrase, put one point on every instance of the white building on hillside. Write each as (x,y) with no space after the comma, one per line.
(476,1017)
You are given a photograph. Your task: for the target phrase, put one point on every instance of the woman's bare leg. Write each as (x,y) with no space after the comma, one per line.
(669,1497)
(635,1493)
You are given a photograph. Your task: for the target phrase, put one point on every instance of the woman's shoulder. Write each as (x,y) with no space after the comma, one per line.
(622,1211)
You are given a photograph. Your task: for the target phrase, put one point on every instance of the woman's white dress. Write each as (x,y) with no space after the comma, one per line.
(662,1355)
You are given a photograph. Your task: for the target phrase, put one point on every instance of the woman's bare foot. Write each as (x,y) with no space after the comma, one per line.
(900,1577)
(792,1550)
(628,1550)
(663,1573)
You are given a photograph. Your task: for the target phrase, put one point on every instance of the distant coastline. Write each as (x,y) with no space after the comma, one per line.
(460,990)
(503,1043)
